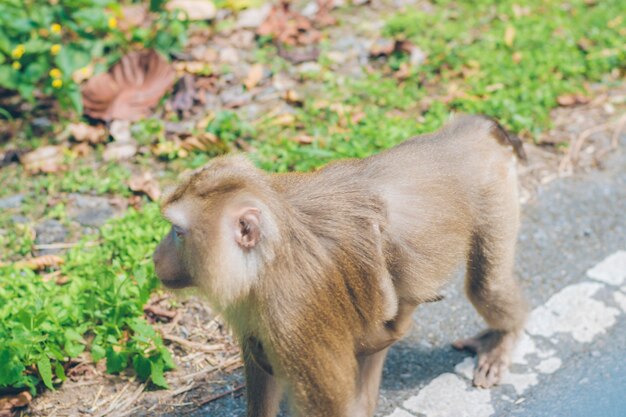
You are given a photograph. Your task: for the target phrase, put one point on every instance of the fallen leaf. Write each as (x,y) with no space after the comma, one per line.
(130,89)
(81,149)
(159,312)
(286,119)
(201,142)
(292,97)
(382,47)
(8,403)
(287,26)
(567,100)
(82,132)
(134,15)
(509,36)
(304,139)
(194,9)
(47,159)
(255,75)
(517,57)
(116,151)
(40,262)
(146,184)
(323,17)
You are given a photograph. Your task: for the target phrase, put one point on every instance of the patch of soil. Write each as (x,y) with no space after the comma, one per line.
(205,356)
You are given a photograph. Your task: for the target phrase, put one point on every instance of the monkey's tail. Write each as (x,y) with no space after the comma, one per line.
(507,138)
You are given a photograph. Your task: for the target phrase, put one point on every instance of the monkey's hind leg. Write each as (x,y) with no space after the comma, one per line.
(495,294)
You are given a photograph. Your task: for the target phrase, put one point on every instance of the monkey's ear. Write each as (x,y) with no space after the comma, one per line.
(248,231)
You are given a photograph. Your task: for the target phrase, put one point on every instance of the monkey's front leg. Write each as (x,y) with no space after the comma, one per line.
(264,391)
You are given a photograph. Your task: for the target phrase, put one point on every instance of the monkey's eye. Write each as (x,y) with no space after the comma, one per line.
(178,231)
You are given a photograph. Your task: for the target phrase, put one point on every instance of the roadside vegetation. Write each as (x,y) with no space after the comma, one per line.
(514,60)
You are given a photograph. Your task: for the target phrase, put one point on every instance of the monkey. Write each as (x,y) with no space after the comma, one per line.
(319,273)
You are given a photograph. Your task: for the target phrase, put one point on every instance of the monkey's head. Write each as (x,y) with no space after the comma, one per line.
(221,229)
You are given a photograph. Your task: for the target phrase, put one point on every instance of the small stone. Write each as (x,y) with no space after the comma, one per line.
(309,68)
(50,231)
(116,151)
(11,202)
(310,9)
(418,57)
(120,131)
(194,9)
(20,219)
(252,18)
(89,210)
(229,55)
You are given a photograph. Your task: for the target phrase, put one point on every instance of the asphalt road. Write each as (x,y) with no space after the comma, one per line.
(572,359)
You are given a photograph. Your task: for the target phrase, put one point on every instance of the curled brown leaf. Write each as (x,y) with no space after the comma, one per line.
(130,89)
(146,184)
(40,262)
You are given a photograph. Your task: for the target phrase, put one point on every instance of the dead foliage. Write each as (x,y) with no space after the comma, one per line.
(145,184)
(10,403)
(46,159)
(130,89)
(40,262)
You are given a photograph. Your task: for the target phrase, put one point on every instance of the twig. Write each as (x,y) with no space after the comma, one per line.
(183,389)
(193,345)
(220,395)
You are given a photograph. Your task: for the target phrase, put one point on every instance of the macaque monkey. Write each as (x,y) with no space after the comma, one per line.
(319,273)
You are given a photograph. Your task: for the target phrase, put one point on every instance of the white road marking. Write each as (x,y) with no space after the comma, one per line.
(398,412)
(611,270)
(449,396)
(573,311)
(620,298)
(549,366)
(520,382)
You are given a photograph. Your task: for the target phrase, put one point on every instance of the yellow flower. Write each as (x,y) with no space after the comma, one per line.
(18,51)
(55,28)
(57,83)
(16,65)
(112,23)
(55,73)
(55,49)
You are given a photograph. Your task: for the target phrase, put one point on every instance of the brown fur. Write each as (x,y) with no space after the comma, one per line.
(344,255)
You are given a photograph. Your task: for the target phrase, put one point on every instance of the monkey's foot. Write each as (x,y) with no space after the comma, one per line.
(494,349)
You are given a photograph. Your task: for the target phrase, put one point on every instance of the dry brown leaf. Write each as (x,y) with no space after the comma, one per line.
(304,139)
(288,26)
(286,119)
(82,132)
(135,15)
(323,17)
(509,36)
(130,89)
(159,312)
(146,184)
(47,159)
(255,75)
(299,55)
(292,97)
(382,47)
(567,100)
(40,262)
(8,403)
(201,142)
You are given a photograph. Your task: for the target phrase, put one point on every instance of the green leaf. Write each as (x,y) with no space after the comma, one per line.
(142,367)
(116,361)
(59,371)
(157,376)
(97,352)
(11,368)
(45,371)
(75,97)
